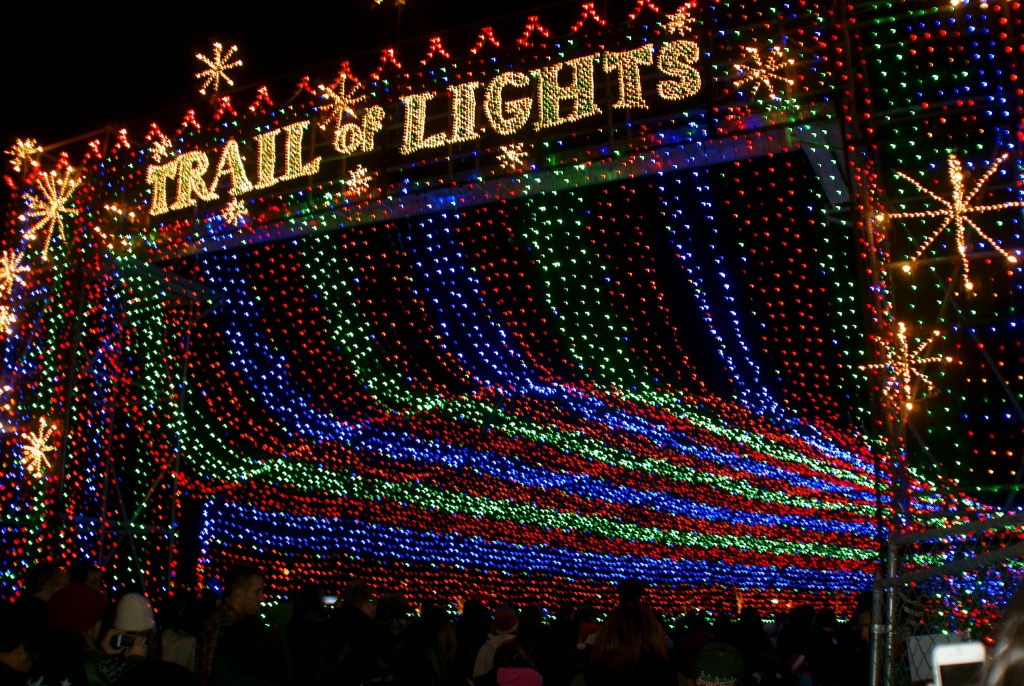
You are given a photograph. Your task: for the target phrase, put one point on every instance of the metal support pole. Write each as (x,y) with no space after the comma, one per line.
(877,630)
(890,619)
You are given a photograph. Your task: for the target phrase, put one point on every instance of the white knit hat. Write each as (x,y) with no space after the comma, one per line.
(134,614)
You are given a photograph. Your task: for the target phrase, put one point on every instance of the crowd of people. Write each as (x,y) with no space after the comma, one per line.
(63,630)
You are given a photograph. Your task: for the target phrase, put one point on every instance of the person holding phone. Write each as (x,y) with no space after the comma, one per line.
(130,642)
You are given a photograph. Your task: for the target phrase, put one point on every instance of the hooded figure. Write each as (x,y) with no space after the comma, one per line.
(503,628)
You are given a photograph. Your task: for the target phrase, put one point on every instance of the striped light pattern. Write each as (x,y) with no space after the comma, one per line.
(502,399)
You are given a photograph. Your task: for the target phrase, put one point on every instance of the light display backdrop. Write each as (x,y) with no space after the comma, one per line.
(679,293)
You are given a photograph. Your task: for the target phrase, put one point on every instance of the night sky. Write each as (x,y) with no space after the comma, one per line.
(77,69)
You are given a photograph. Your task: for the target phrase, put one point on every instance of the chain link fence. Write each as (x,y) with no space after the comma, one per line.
(943,585)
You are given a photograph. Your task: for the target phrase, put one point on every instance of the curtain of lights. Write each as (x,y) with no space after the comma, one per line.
(657,341)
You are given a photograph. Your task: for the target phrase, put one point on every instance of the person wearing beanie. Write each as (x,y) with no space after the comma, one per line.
(130,640)
(503,628)
(73,614)
(134,614)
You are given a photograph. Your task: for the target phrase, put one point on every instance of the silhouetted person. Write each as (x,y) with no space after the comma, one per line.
(41,582)
(471,632)
(73,646)
(504,628)
(354,658)
(82,572)
(425,657)
(631,650)
(21,641)
(243,596)
(307,635)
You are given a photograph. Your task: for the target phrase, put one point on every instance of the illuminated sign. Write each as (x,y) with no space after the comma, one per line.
(554,94)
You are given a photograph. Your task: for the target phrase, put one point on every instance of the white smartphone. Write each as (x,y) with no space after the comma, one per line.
(958,664)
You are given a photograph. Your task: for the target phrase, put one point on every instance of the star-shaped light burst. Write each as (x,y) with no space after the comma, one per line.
(49,205)
(234,211)
(902,364)
(763,70)
(681,21)
(358,181)
(218,67)
(23,153)
(11,270)
(36,448)
(512,156)
(955,210)
(341,100)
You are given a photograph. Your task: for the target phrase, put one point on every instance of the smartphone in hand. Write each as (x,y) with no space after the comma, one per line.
(958,664)
(124,640)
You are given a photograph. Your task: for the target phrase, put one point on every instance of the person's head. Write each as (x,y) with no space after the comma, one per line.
(82,572)
(513,653)
(135,616)
(308,598)
(77,609)
(631,591)
(630,634)
(44,579)
(1006,668)
(21,640)
(243,590)
(394,607)
(359,594)
(505,622)
(531,621)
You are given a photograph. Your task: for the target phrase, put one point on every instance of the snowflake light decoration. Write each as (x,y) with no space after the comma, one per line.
(11,270)
(51,206)
(955,210)
(681,21)
(161,147)
(358,181)
(234,211)
(763,70)
(341,101)
(902,364)
(512,156)
(218,67)
(7,320)
(36,447)
(23,153)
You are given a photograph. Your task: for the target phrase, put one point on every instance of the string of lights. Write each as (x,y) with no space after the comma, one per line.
(545,308)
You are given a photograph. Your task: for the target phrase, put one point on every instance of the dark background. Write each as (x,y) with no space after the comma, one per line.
(68,71)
